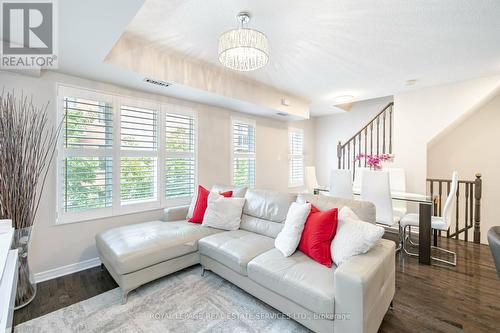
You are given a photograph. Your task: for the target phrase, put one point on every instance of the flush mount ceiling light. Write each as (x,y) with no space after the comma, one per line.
(344,99)
(411,82)
(243,49)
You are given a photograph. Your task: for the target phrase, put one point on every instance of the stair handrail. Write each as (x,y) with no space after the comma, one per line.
(367,124)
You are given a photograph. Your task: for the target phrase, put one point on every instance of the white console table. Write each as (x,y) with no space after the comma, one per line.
(8,282)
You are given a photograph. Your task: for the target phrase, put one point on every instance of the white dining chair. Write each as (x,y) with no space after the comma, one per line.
(341,183)
(358,178)
(397,177)
(376,188)
(437,222)
(310,179)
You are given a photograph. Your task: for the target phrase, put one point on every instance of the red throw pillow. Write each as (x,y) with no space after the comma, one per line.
(319,230)
(202,202)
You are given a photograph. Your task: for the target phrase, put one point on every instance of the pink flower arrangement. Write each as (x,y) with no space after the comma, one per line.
(375,161)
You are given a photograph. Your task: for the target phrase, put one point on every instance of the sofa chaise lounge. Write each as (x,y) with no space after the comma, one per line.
(351,298)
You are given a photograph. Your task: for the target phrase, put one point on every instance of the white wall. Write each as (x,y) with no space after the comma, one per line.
(55,246)
(469,148)
(420,116)
(341,127)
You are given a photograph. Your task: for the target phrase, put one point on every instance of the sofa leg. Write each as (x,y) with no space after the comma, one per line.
(124,296)
(102,266)
(202,271)
(391,306)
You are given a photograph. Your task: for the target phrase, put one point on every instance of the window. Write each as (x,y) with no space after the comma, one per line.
(180,155)
(138,154)
(296,157)
(117,155)
(243,149)
(87,160)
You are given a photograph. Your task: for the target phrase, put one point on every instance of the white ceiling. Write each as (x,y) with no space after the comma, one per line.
(319,49)
(89,29)
(322,49)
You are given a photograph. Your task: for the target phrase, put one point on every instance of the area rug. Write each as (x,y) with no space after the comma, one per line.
(181,302)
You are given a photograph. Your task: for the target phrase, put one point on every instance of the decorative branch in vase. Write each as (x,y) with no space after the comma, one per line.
(375,161)
(27,147)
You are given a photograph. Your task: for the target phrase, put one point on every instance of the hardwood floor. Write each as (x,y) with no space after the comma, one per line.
(433,298)
(64,291)
(465,298)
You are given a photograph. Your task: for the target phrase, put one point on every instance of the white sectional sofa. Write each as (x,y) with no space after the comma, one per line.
(351,298)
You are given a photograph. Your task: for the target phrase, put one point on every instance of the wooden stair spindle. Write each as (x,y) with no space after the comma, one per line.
(378,135)
(466,213)
(339,153)
(477,210)
(366,146)
(383,133)
(390,130)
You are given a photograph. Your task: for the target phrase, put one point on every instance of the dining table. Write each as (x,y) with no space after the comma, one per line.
(425,206)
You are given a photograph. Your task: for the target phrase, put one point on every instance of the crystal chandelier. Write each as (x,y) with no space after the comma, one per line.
(243,49)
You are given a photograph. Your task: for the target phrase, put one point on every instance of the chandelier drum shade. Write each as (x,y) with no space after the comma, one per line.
(243,49)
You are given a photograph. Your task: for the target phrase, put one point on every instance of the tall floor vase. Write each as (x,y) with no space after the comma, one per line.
(26,287)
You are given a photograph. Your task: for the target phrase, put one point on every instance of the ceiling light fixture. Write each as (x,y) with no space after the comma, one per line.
(344,99)
(243,49)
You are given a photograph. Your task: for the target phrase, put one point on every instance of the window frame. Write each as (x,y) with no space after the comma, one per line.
(185,111)
(250,122)
(145,205)
(291,156)
(62,152)
(116,152)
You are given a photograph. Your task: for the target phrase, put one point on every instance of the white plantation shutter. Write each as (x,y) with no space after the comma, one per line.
(138,155)
(296,157)
(138,128)
(180,155)
(118,155)
(243,143)
(86,158)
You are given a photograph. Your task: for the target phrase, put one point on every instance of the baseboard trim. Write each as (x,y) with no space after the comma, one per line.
(65,270)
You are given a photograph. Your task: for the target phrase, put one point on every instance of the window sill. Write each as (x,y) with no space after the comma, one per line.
(103,215)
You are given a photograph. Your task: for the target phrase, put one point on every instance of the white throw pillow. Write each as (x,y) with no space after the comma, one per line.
(192,205)
(353,236)
(238,192)
(223,213)
(289,237)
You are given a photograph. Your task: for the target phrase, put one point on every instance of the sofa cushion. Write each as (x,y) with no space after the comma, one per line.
(267,205)
(260,226)
(133,247)
(363,209)
(235,249)
(298,278)
(265,211)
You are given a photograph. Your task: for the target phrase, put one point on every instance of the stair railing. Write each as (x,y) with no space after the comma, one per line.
(374,138)
(468,190)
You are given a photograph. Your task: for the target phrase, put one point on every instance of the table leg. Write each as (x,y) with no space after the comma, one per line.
(424,234)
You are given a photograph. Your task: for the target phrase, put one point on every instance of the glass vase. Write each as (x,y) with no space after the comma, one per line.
(26,287)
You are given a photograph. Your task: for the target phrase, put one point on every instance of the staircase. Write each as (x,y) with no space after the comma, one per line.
(376,137)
